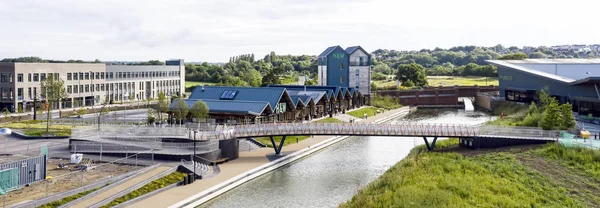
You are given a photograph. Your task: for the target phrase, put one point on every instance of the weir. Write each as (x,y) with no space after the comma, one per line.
(468,104)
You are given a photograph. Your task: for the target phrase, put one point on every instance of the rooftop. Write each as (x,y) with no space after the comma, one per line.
(551,61)
(568,71)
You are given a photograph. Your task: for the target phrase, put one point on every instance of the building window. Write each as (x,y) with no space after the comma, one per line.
(87,88)
(87,76)
(20,94)
(3,77)
(75,89)
(102,87)
(97,87)
(29,93)
(341,79)
(81,88)
(10,78)
(36,77)
(341,66)
(80,75)
(56,76)
(101,75)
(29,77)
(69,77)
(69,89)
(97,75)
(42,77)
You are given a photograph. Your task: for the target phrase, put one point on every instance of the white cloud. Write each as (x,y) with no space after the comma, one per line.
(213,30)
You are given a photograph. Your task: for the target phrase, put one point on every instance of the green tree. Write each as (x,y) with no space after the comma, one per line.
(551,118)
(162,105)
(533,109)
(53,89)
(413,72)
(537,55)
(513,56)
(567,119)
(180,110)
(199,110)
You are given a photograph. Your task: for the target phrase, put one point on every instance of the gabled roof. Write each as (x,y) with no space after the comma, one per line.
(329,50)
(231,106)
(260,94)
(351,49)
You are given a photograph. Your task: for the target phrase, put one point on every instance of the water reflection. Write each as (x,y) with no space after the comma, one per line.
(335,174)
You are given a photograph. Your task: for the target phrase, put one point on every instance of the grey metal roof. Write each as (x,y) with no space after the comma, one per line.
(512,64)
(231,106)
(260,94)
(530,71)
(553,61)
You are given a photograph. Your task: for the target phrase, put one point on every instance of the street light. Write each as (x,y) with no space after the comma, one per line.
(5,131)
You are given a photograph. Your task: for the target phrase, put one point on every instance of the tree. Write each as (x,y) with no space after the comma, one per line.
(533,109)
(162,106)
(567,119)
(180,110)
(513,56)
(537,55)
(413,72)
(199,110)
(551,118)
(53,89)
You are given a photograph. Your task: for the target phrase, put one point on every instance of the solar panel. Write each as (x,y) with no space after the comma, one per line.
(228,94)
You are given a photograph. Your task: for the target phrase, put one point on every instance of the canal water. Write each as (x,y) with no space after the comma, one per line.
(333,175)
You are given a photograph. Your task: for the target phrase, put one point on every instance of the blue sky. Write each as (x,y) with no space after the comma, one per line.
(213,30)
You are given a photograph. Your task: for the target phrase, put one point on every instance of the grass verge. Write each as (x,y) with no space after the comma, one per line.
(288,140)
(68,199)
(51,132)
(461,81)
(490,179)
(370,111)
(329,120)
(152,186)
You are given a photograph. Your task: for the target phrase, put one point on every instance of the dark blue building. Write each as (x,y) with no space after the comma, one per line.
(348,68)
(568,80)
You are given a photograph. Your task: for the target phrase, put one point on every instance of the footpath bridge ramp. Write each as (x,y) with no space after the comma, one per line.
(127,184)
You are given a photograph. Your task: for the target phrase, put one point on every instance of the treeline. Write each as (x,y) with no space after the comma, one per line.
(244,70)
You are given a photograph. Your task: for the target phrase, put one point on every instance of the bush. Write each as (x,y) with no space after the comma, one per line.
(386,102)
(68,199)
(152,186)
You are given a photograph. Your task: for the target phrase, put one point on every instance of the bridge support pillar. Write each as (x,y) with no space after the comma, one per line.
(275,147)
(432,145)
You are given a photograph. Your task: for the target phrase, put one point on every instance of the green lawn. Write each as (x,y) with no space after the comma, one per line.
(548,176)
(194,83)
(329,120)
(449,81)
(288,140)
(370,111)
(461,81)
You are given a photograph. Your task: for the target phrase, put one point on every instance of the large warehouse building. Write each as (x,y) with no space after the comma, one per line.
(569,80)
(88,84)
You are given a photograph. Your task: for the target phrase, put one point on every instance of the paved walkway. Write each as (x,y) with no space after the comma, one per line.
(247,161)
(128,183)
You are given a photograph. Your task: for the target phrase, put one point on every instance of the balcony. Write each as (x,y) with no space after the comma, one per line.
(359,63)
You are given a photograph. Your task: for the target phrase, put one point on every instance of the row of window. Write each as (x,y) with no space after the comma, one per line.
(36,77)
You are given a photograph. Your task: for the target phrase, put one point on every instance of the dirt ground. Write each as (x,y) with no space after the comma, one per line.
(579,186)
(65,179)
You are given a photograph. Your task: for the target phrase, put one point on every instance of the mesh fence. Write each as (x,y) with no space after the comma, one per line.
(9,180)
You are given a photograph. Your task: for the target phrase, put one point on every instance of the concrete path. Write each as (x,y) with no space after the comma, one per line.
(129,183)
(247,161)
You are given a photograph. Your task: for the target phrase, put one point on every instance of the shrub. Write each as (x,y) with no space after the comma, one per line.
(152,186)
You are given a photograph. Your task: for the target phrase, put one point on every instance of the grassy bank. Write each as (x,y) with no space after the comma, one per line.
(288,140)
(152,186)
(461,81)
(195,83)
(370,111)
(329,120)
(541,176)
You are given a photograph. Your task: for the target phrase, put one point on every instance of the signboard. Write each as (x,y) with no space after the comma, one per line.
(338,55)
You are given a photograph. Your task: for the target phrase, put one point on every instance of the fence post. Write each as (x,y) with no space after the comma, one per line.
(100,152)
(126,154)
(152,152)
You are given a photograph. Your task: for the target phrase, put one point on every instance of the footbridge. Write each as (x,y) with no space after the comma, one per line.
(392,130)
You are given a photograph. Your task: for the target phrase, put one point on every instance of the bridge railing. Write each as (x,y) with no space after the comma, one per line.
(402,129)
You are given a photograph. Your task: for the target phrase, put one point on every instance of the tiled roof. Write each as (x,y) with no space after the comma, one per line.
(231,106)
(260,94)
